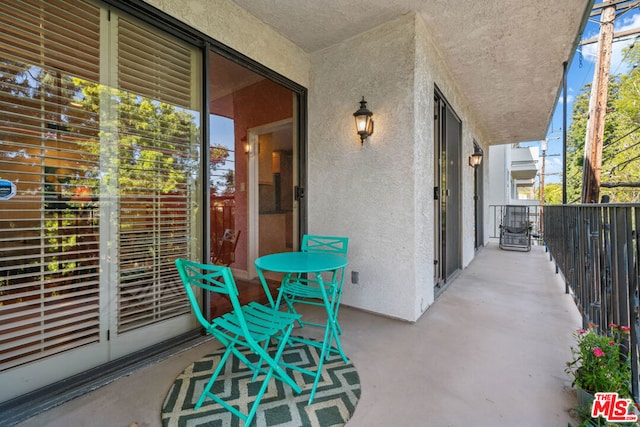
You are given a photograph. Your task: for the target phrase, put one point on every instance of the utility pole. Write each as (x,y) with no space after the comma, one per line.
(564,133)
(544,146)
(598,107)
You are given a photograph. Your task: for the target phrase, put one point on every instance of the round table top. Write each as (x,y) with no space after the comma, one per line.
(300,262)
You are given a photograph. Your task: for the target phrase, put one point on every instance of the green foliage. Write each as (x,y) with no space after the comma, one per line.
(148,149)
(553,194)
(601,362)
(621,147)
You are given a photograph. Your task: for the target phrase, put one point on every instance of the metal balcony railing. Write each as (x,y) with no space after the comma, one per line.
(596,248)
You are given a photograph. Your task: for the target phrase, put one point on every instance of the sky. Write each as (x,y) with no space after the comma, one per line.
(581,73)
(222,131)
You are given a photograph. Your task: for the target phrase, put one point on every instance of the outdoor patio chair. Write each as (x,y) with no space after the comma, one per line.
(515,229)
(225,253)
(299,290)
(249,327)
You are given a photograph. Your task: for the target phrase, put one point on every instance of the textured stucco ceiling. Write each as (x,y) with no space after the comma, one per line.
(505,55)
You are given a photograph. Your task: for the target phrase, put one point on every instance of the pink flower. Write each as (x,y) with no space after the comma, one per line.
(611,343)
(613,325)
(581,331)
(625,328)
(597,352)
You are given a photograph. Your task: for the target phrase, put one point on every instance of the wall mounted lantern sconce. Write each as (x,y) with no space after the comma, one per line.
(364,123)
(245,145)
(475,159)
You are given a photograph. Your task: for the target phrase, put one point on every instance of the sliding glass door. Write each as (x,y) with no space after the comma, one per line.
(100,137)
(447,153)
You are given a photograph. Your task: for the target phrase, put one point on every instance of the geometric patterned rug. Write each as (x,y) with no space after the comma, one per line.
(335,401)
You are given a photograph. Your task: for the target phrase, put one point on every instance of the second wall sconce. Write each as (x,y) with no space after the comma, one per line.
(475,159)
(364,123)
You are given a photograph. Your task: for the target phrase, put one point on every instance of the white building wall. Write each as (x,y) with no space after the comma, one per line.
(366,191)
(499,182)
(507,160)
(435,72)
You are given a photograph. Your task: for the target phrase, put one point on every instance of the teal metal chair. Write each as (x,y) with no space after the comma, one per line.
(299,290)
(249,327)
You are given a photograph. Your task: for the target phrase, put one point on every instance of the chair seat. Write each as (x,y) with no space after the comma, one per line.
(261,321)
(302,288)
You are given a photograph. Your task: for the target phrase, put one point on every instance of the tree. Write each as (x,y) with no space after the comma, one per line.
(553,194)
(621,154)
(621,147)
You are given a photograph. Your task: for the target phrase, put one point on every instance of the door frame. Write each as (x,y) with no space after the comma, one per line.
(443,227)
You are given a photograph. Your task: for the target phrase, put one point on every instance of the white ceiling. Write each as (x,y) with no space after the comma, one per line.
(505,55)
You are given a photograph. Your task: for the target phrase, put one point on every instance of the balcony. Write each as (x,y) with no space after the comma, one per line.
(524,163)
(490,351)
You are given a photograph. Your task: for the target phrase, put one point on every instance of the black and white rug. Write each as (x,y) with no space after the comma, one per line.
(335,401)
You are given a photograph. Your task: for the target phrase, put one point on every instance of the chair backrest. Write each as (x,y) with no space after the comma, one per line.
(516,217)
(225,253)
(327,244)
(212,278)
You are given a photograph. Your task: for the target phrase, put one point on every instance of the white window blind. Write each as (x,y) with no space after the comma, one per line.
(54,127)
(157,166)
(49,259)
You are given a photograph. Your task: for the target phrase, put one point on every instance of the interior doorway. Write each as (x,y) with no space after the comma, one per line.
(273,178)
(254,159)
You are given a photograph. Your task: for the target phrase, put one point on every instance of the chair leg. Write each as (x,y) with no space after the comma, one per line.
(254,407)
(287,300)
(212,380)
(274,370)
(330,335)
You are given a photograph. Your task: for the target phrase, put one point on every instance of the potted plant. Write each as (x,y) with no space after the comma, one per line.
(601,362)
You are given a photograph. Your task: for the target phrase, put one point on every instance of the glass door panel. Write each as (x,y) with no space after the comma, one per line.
(253,168)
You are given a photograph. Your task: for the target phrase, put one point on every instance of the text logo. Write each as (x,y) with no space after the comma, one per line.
(612,408)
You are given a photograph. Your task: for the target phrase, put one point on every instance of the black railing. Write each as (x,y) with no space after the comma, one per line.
(597,249)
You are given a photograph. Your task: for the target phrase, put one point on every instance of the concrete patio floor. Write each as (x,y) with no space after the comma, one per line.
(489,352)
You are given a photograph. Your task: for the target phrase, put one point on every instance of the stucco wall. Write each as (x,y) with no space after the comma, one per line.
(231,25)
(381,194)
(438,74)
(423,88)
(366,191)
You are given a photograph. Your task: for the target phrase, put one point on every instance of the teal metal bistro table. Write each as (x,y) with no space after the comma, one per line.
(311,263)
